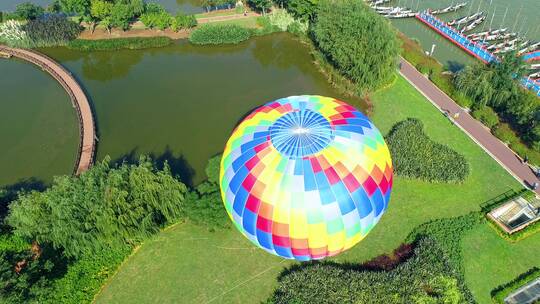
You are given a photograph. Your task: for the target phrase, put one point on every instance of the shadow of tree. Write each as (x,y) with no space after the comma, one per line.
(178,164)
(10,193)
(454,66)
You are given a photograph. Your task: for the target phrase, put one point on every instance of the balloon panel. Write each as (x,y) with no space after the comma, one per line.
(306,177)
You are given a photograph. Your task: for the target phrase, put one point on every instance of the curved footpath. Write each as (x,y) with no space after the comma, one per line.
(87,143)
(477,131)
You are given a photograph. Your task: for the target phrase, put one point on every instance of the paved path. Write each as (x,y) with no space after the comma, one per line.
(477,131)
(87,143)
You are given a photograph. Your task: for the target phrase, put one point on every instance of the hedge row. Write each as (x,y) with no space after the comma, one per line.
(425,277)
(135,43)
(500,293)
(220,34)
(415,155)
(518,235)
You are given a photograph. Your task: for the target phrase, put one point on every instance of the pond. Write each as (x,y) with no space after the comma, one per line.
(178,103)
(38,125)
(518,16)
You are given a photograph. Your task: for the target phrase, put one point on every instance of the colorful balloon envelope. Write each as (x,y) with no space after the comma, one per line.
(306,177)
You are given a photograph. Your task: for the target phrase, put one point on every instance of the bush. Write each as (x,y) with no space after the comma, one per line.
(85,277)
(160,20)
(135,43)
(219,34)
(505,133)
(51,30)
(298,28)
(13,34)
(417,156)
(524,233)
(487,116)
(281,19)
(426,277)
(364,48)
(182,21)
(500,293)
(204,205)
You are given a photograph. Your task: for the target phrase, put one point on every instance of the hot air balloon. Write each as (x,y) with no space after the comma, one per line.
(306,177)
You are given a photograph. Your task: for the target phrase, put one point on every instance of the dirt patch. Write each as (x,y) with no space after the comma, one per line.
(117,33)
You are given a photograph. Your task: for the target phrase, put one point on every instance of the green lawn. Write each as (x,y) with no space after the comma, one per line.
(249,22)
(491,261)
(187,264)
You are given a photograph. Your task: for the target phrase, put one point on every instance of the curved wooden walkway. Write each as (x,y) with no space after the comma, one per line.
(87,143)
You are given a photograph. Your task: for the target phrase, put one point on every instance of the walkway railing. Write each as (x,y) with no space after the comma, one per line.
(475,49)
(87,143)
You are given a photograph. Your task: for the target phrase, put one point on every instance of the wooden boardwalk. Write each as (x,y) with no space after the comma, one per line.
(87,143)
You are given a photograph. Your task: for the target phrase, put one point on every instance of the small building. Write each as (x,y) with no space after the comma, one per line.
(516,214)
(527,294)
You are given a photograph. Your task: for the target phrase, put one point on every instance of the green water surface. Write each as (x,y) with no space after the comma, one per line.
(178,103)
(38,125)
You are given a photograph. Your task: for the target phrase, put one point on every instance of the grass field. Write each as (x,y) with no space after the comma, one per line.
(249,22)
(491,261)
(187,264)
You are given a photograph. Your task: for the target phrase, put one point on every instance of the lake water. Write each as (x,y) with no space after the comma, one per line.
(178,103)
(181,102)
(521,16)
(38,126)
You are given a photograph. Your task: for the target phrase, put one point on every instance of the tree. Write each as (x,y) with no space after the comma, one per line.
(100,10)
(476,82)
(105,207)
(261,5)
(28,11)
(121,15)
(302,9)
(80,8)
(52,31)
(358,42)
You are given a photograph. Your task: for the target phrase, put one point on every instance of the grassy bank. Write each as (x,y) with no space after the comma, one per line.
(191,264)
(119,44)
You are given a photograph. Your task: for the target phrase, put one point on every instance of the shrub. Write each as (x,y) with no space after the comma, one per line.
(84,277)
(500,293)
(487,116)
(524,233)
(364,49)
(52,30)
(160,20)
(135,43)
(182,21)
(204,205)
(417,156)
(13,34)
(219,34)
(298,28)
(426,277)
(280,19)
(505,133)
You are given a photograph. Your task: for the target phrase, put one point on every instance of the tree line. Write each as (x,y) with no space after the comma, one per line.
(60,244)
